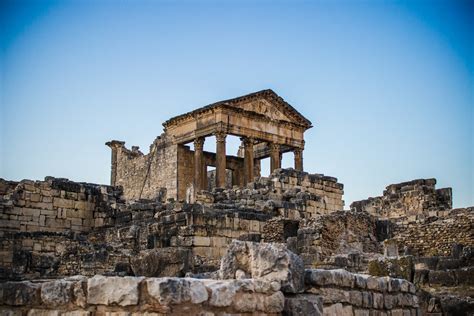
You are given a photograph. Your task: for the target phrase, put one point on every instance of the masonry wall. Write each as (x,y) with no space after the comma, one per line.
(55,205)
(287,193)
(142,176)
(339,233)
(413,198)
(435,236)
(344,293)
(335,292)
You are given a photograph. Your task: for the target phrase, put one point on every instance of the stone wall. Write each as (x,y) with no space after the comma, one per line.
(286,193)
(413,198)
(435,236)
(143,176)
(253,278)
(326,292)
(141,296)
(337,239)
(345,293)
(55,205)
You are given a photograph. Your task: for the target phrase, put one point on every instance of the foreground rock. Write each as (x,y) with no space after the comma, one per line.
(141,296)
(264,261)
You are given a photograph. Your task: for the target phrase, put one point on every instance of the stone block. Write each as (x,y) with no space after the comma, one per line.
(465,276)
(162,262)
(303,304)
(19,293)
(445,278)
(63,203)
(201,241)
(174,291)
(56,293)
(43,312)
(272,262)
(113,290)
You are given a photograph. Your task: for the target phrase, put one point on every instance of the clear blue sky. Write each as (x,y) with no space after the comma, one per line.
(388,85)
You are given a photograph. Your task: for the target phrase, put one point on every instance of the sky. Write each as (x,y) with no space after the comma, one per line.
(388,85)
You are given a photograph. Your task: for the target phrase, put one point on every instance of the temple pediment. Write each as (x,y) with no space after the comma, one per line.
(264,103)
(265,108)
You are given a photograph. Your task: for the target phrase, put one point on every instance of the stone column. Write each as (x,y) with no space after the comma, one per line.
(114,145)
(298,159)
(198,164)
(220,160)
(204,176)
(248,160)
(275,157)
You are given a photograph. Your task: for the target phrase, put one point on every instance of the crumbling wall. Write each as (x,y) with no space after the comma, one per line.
(413,198)
(435,236)
(345,293)
(141,296)
(143,176)
(286,193)
(253,278)
(56,205)
(338,233)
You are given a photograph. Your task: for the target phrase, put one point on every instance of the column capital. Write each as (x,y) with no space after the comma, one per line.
(274,146)
(198,143)
(247,141)
(298,152)
(220,136)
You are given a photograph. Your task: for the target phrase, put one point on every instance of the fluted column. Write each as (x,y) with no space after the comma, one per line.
(198,164)
(275,157)
(220,160)
(248,160)
(298,159)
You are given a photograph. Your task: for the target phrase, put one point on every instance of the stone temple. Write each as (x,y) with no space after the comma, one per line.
(170,237)
(267,125)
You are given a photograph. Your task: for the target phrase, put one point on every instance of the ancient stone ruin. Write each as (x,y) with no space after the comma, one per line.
(169,236)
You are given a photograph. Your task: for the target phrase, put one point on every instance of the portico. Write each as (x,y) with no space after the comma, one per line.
(266,124)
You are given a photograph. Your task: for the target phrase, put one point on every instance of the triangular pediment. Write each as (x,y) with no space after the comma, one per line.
(269,104)
(263,107)
(265,102)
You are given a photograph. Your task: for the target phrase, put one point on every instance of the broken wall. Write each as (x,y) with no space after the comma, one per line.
(413,198)
(143,176)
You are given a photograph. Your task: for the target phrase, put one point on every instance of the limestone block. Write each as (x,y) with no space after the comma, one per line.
(64,203)
(19,293)
(266,261)
(303,304)
(246,302)
(378,300)
(201,241)
(356,298)
(109,290)
(337,277)
(42,312)
(222,293)
(446,278)
(56,293)
(173,291)
(162,262)
(274,303)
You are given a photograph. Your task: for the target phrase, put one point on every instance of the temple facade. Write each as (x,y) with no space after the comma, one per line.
(266,124)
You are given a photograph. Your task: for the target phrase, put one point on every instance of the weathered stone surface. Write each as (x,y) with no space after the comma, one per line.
(265,261)
(108,290)
(56,293)
(401,267)
(165,262)
(19,293)
(172,291)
